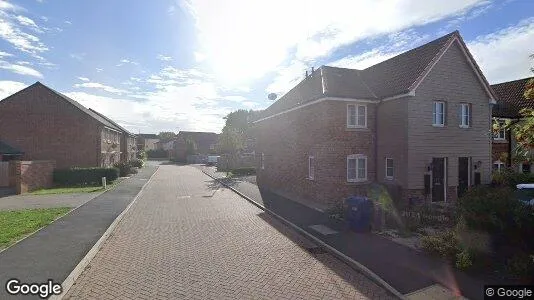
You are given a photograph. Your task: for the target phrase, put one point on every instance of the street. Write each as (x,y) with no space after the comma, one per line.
(188,237)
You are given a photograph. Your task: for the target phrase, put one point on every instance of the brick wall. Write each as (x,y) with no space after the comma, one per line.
(498,148)
(48,127)
(32,175)
(319,130)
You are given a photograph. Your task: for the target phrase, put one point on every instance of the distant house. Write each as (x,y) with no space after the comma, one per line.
(509,104)
(194,143)
(147,141)
(47,125)
(417,123)
(128,140)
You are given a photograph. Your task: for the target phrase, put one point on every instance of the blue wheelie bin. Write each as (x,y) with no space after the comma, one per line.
(359,213)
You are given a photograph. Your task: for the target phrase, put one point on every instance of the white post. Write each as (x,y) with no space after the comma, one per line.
(104,182)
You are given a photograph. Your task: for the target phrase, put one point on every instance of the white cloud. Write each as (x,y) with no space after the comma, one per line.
(8,88)
(504,54)
(78,56)
(22,41)
(5,54)
(4,5)
(126,61)
(96,85)
(68,22)
(99,70)
(364,60)
(20,69)
(24,63)
(199,57)
(25,21)
(235,98)
(171,10)
(84,79)
(164,58)
(245,46)
(44,18)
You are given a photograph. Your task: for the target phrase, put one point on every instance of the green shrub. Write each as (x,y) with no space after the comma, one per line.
(244,171)
(137,163)
(124,168)
(84,176)
(511,178)
(446,244)
(521,265)
(464,259)
(141,154)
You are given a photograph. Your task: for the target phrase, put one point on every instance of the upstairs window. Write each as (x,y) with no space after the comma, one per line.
(389,168)
(356,168)
(465,115)
(500,135)
(498,166)
(438,114)
(262,163)
(356,116)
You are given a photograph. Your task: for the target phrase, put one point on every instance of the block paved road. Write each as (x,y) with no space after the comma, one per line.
(186,237)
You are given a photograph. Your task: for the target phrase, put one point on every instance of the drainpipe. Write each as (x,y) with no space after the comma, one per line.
(376,141)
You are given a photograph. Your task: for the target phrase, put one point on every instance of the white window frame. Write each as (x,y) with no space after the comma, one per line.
(356,157)
(392,168)
(311,167)
(262,161)
(500,165)
(356,108)
(497,137)
(435,114)
(467,107)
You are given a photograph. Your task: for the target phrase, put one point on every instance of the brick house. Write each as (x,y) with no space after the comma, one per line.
(419,123)
(509,104)
(47,125)
(147,141)
(128,140)
(202,143)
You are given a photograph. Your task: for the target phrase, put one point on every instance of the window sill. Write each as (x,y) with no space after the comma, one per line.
(438,125)
(389,178)
(500,140)
(464,126)
(359,182)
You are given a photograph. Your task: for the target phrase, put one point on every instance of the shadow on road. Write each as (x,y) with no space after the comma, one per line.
(359,281)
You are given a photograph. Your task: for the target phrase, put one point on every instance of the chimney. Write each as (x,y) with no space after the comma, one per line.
(306,73)
(313,69)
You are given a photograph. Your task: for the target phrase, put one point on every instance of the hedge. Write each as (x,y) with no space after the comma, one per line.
(244,171)
(84,176)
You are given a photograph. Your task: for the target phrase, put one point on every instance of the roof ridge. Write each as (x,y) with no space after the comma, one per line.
(111,121)
(507,82)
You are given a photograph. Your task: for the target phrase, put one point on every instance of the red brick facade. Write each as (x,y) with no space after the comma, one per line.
(287,141)
(32,175)
(46,126)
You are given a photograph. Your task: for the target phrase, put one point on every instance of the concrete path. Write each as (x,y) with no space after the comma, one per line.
(185,237)
(54,251)
(17,202)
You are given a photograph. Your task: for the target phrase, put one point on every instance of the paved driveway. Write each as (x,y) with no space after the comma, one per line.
(16,202)
(186,237)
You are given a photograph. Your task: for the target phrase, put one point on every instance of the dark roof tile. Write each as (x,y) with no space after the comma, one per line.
(510,98)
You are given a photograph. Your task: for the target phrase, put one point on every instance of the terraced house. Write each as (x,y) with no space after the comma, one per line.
(419,123)
(47,125)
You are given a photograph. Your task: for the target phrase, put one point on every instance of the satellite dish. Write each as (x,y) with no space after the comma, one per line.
(272,96)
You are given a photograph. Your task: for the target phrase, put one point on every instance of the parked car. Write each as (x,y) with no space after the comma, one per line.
(525,192)
(212,160)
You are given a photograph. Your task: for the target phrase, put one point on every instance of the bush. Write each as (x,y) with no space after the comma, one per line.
(521,265)
(244,171)
(446,244)
(141,154)
(510,178)
(124,168)
(137,163)
(84,176)
(464,259)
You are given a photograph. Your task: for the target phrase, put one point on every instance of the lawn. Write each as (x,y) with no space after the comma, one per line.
(14,225)
(70,190)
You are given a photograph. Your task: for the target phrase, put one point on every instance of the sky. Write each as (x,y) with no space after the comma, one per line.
(171,65)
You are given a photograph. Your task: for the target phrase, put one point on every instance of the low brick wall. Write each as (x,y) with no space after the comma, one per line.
(33,175)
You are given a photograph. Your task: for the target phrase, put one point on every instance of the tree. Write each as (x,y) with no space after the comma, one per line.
(190,146)
(236,131)
(166,135)
(523,130)
(230,141)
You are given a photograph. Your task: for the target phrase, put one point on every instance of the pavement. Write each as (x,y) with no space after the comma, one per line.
(54,251)
(188,237)
(410,272)
(17,202)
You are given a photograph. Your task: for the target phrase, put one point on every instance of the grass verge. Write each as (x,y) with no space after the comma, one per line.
(16,224)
